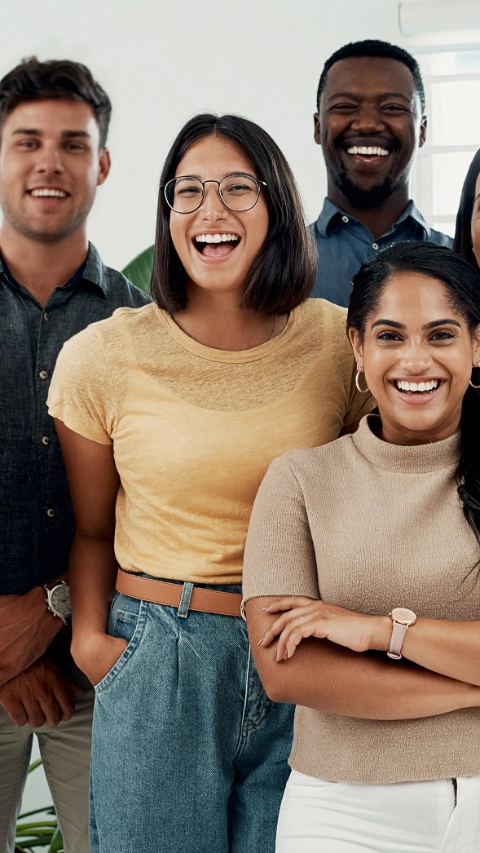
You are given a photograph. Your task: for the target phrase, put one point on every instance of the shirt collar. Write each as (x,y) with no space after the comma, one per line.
(93,271)
(331,216)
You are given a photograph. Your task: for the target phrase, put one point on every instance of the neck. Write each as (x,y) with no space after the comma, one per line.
(378,220)
(42,266)
(215,320)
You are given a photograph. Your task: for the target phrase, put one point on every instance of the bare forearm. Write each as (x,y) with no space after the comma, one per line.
(447,647)
(330,678)
(92,581)
(26,630)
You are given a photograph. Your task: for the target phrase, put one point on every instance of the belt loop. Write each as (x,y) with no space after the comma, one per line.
(187,590)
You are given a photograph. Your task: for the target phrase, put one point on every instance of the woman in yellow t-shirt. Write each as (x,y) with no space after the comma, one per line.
(169,417)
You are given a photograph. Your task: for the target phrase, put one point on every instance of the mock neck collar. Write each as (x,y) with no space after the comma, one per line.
(404,458)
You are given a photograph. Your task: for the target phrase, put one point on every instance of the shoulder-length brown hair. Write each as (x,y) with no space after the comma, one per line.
(283,273)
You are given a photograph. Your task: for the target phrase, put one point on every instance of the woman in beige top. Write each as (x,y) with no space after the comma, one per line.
(168,420)
(368,548)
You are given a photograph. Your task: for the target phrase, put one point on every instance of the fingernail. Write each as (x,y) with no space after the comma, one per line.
(266,608)
(285,657)
(261,641)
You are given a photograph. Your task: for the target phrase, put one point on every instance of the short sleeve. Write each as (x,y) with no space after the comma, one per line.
(279,553)
(359,404)
(82,393)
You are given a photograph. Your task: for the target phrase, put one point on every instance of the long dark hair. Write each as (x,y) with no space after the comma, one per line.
(462,243)
(462,284)
(283,273)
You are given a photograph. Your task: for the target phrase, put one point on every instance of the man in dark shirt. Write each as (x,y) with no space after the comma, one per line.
(370,123)
(53,123)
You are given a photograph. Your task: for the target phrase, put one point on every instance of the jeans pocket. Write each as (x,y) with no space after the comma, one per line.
(128,624)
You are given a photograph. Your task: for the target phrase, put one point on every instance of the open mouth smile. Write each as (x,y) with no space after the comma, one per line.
(47,192)
(368,152)
(216,245)
(417,392)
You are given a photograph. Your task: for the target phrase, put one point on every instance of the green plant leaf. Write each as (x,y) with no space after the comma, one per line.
(139,271)
(57,842)
(34,765)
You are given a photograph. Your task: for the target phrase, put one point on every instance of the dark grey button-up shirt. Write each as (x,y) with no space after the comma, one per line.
(344,244)
(36,517)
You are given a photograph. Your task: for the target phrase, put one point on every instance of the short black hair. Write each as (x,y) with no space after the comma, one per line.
(463,226)
(374,48)
(33,80)
(283,273)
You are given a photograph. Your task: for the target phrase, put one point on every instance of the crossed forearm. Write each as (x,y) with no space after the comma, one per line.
(333,679)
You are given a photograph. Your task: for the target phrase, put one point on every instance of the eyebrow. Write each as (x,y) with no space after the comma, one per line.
(66,134)
(381,96)
(432,325)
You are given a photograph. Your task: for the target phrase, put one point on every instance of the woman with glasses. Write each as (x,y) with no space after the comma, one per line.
(168,418)
(362,570)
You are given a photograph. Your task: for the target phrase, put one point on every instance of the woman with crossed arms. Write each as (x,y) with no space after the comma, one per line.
(362,580)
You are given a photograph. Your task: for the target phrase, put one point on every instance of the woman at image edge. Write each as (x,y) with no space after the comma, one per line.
(386,753)
(168,419)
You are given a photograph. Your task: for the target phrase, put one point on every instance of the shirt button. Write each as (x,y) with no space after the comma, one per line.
(43,374)
(50,513)
(45,439)
(375,246)
(46,316)
(345,219)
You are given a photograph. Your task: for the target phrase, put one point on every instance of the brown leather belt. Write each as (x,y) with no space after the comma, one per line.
(163,592)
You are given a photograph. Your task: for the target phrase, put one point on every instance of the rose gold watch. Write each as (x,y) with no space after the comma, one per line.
(402,618)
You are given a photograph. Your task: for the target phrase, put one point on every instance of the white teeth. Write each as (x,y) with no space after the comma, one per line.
(47,193)
(417,386)
(216,238)
(368,150)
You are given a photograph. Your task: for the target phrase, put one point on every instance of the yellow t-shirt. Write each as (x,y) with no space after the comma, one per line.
(194,429)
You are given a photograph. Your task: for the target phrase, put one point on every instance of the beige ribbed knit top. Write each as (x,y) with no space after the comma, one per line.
(369,526)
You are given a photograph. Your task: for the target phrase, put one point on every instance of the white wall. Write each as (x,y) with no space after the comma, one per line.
(162,61)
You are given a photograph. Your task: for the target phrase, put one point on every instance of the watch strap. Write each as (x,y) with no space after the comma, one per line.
(396,640)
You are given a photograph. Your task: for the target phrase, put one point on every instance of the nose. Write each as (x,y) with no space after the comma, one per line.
(49,160)
(368,119)
(416,358)
(213,208)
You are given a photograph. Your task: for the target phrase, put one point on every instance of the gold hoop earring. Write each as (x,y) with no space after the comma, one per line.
(357,383)
(471,383)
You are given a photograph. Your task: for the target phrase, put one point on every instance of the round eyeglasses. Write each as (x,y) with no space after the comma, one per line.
(238,192)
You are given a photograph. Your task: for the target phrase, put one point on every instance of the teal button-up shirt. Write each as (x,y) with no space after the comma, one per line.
(344,244)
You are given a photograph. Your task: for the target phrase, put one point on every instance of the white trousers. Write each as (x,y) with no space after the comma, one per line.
(406,817)
(65,750)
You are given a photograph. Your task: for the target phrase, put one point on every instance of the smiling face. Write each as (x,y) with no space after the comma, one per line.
(476,222)
(369,127)
(50,167)
(217,246)
(417,354)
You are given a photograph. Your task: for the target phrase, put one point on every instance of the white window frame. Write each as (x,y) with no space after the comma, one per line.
(422,173)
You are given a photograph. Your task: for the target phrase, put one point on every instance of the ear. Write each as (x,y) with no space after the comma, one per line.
(423,132)
(476,347)
(356,343)
(316,131)
(104,164)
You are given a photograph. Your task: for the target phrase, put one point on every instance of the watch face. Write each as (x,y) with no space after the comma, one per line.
(60,599)
(403,615)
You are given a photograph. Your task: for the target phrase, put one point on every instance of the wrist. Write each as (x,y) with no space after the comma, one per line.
(85,644)
(381,633)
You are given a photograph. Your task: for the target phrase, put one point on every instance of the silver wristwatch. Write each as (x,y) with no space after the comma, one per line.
(58,599)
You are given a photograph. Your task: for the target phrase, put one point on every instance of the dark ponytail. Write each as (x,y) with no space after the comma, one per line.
(462,283)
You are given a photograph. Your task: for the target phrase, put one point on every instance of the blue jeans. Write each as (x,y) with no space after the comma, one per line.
(188,752)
